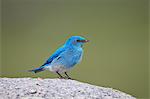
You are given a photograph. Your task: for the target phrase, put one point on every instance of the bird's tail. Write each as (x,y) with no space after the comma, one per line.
(36,70)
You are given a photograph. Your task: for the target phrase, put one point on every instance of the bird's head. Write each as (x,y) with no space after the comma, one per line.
(76,41)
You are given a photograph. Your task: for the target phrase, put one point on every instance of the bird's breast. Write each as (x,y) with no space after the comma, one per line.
(66,60)
(73,57)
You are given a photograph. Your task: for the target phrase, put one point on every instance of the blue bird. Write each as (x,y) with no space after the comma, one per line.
(64,58)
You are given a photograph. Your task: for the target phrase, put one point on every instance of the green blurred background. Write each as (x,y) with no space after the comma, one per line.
(116,57)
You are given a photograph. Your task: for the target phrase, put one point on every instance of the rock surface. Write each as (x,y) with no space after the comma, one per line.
(32,88)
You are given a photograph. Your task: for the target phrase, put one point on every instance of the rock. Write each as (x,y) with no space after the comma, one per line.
(32,88)
(32,91)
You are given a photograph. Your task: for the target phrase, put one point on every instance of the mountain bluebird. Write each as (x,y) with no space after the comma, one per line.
(65,58)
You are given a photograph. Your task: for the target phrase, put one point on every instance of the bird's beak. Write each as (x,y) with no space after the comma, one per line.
(83,41)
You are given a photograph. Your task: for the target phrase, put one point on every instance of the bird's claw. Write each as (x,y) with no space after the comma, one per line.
(66,78)
(61,77)
(69,78)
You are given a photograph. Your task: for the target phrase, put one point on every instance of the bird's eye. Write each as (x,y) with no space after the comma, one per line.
(78,40)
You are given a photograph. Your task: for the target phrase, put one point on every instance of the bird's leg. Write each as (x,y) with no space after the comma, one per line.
(59,75)
(67,75)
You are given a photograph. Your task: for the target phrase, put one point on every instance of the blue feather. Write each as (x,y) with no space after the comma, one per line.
(37,69)
(50,59)
(65,57)
(55,55)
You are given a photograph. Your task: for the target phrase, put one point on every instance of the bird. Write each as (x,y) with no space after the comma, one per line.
(65,57)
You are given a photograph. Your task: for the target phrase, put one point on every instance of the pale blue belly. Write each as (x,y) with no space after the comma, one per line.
(65,62)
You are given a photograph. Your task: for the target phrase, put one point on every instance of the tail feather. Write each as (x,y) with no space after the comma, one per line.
(37,70)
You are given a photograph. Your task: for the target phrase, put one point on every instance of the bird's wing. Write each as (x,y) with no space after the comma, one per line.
(55,55)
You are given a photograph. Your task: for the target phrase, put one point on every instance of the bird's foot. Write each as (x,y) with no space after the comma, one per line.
(61,77)
(66,78)
(69,78)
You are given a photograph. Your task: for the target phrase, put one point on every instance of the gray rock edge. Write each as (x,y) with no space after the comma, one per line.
(33,88)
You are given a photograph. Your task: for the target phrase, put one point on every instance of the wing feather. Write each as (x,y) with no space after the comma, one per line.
(55,55)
